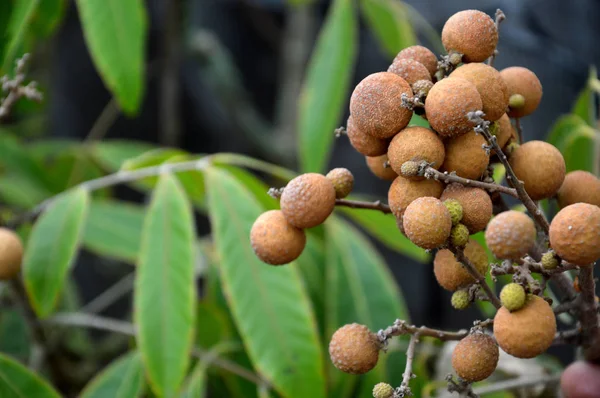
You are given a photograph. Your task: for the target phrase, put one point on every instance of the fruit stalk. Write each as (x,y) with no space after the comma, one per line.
(588,314)
(404,389)
(401,327)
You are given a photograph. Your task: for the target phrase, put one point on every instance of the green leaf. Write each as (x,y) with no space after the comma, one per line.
(15,339)
(16,381)
(20,19)
(52,247)
(326,86)
(417,120)
(584,105)
(113,154)
(115,34)
(6,8)
(213,325)
(258,188)
(388,19)
(148,159)
(17,159)
(164,298)
(196,385)
(268,304)
(123,378)
(20,191)
(47,18)
(575,139)
(311,265)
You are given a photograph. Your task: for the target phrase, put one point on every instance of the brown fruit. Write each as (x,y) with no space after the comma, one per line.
(452,275)
(422,55)
(540,166)
(415,143)
(342,180)
(364,143)
(11,254)
(403,191)
(476,205)
(510,235)
(427,222)
(376,163)
(475,357)
(528,332)
(308,200)
(490,86)
(471,33)
(448,103)
(505,131)
(575,233)
(354,349)
(465,155)
(410,70)
(579,187)
(522,81)
(375,105)
(274,240)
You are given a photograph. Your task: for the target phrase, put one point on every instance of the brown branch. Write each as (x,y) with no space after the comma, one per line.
(357,204)
(431,173)
(401,328)
(572,336)
(519,130)
(567,306)
(404,389)
(500,16)
(588,314)
(16,90)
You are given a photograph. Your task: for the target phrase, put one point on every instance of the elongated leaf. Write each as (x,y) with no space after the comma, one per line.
(148,159)
(16,381)
(121,379)
(196,385)
(164,304)
(575,139)
(52,247)
(326,87)
(269,305)
(47,18)
(20,19)
(6,8)
(115,33)
(15,339)
(113,154)
(584,106)
(390,23)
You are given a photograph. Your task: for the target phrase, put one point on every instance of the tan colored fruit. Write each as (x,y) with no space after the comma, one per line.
(274,240)
(375,105)
(342,180)
(415,143)
(365,143)
(471,33)
(376,165)
(475,357)
(575,233)
(522,81)
(427,222)
(410,70)
(579,187)
(11,254)
(452,275)
(448,103)
(476,205)
(540,166)
(465,155)
(489,84)
(505,131)
(308,200)
(403,191)
(510,235)
(528,332)
(421,87)
(354,349)
(422,55)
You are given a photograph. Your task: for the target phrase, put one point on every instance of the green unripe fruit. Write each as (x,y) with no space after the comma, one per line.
(513,297)
(516,101)
(511,147)
(383,390)
(342,180)
(410,168)
(459,236)
(549,260)
(494,128)
(460,299)
(455,209)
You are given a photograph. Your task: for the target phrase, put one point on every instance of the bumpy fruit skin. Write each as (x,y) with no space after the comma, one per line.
(505,130)
(549,260)
(522,81)
(375,105)
(513,297)
(342,180)
(579,187)
(308,200)
(476,205)
(540,166)
(354,349)
(452,275)
(422,55)
(459,236)
(575,233)
(471,33)
(274,240)
(448,103)
(375,164)
(455,209)
(403,191)
(409,169)
(465,155)
(427,222)
(11,254)
(415,143)
(528,332)
(365,143)
(383,390)
(410,70)
(475,357)
(510,235)
(460,299)
(421,87)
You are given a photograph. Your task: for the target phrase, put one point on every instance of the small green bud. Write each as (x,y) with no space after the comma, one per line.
(409,168)
(421,87)
(383,390)
(494,128)
(511,147)
(455,209)
(513,297)
(342,180)
(460,299)
(455,58)
(459,236)
(549,260)
(516,101)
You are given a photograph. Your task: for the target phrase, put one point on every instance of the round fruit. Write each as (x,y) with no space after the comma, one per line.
(528,332)
(452,275)
(410,70)
(513,297)
(540,166)
(575,233)
(510,235)
(465,155)
(308,200)
(427,222)
(376,165)
(516,101)
(342,180)
(460,299)
(383,390)
(579,187)
(11,254)
(409,169)
(415,143)
(549,260)
(403,191)
(459,236)
(364,143)
(504,131)
(274,240)
(475,357)
(489,84)
(522,81)
(455,209)
(448,103)
(422,55)
(375,104)
(471,33)
(354,349)
(476,205)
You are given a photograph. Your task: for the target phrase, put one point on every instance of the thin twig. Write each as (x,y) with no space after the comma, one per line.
(401,327)
(500,16)
(519,382)
(431,173)
(110,295)
(15,88)
(519,130)
(567,306)
(588,314)
(357,204)
(572,336)
(404,389)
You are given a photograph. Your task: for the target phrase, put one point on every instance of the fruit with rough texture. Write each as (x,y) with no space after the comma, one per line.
(342,180)
(522,81)
(422,55)
(421,87)
(475,357)
(459,236)
(460,299)
(575,233)
(11,254)
(476,205)
(354,349)
(365,143)
(504,131)
(540,166)
(455,209)
(549,260)
(471,33)
(410,70)
(415,143)
(403,191)
(451,274)
(427,222)
(308,200)
(376,165)
(510,235)
(513,297)
(465,155)
(579,187)
(410,169)
(528,332)
(383,390)
(375,105)
(274,240)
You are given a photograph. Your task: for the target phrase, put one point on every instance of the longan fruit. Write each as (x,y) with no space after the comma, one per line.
(540,166)
(403,191)
(575,233)
(579,187)
(421,54)
(448,103)
(490,86)
(375,105)
(505,131)
(342,180)
(365,143)
(415,143)
(410,70)
(528,332)
(451,274)
(383,390)
(376,163)
(308,200)
(274,240)
(465,155)
(11,254)
(427,222)
(476,205)
(475,357)
(510,235)
(513,297)
(522,81)
(354,349)
(471,33)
